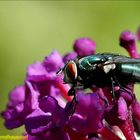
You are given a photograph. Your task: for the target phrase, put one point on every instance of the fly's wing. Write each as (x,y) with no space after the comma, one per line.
(122,60)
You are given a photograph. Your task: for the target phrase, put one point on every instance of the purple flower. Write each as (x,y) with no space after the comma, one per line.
(89,114)
(69,56)
(42,76)
(31,97)
(48,120)
(84,47)
(117,113)
(128,41)
(22,101)
(136,109)
(15,112)
(42,104)
(127,95)
(54,135)
(53,62)
(136,115)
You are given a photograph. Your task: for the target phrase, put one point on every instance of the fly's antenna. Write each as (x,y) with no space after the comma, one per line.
(59,72)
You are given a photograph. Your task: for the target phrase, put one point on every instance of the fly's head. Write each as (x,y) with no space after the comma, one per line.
(70,72)
(70,75)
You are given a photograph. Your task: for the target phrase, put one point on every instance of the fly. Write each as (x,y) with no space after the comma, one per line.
(101,70)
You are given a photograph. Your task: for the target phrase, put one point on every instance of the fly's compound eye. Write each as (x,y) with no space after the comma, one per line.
(70,72)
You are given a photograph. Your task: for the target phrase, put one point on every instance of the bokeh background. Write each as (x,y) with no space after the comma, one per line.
(30,30)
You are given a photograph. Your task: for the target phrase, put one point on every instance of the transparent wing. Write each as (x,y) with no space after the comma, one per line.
(122,60)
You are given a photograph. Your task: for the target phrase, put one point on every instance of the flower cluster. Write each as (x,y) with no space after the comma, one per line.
(43,106)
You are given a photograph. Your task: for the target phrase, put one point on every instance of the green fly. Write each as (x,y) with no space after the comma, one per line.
(101,70)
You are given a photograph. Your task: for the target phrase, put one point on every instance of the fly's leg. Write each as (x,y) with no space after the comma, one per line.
(123,88)
(112,87)
(73,104)
(76,102)
(71,92)
(127,91)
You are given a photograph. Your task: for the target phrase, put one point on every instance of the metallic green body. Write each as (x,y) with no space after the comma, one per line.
(126,69)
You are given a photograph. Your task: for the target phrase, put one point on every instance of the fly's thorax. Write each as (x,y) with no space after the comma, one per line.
(97,73)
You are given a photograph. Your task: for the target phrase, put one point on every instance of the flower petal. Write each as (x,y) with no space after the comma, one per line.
(38,122)
(69,56)
(84,47)
(88,116)
(53,62)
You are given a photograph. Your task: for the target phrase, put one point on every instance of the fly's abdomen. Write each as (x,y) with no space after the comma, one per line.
(129,73)
(136,73)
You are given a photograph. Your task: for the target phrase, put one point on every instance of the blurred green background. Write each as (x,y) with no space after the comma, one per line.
(29,30)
